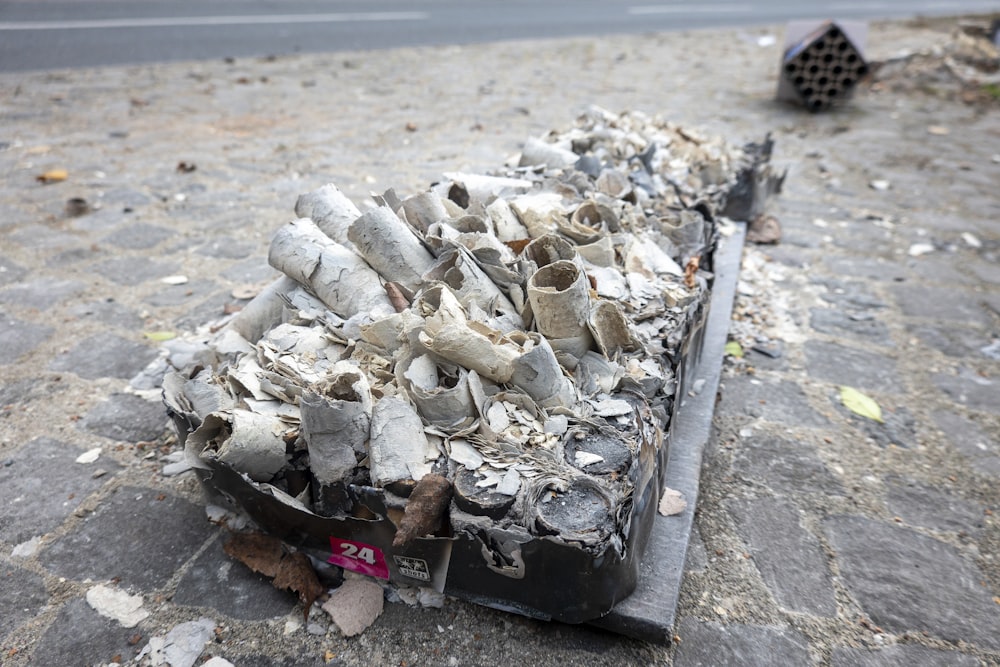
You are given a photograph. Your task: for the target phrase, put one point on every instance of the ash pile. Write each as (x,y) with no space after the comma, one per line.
(496,357)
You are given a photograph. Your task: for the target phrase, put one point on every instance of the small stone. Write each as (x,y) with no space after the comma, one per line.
(26,549)
(89,456)
(316,629)
(671,502)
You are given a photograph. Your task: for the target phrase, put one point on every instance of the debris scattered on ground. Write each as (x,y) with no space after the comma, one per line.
(89,456)
(671,502)
(52,176)
(117,605)
(355,605)
(764,229)
(181,647)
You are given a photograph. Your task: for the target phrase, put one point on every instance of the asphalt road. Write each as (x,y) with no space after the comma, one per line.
(43,34)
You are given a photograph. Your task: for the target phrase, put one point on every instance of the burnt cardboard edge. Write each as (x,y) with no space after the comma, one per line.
(650,612)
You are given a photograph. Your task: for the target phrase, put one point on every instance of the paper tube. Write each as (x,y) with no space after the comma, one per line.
(390,247)
(340,278)
(398,446)
(336,416)
(424,209)
(458,270)
(559,298)
(611,329)
(440,391)
(331,210)
(264,310)
(506,222)
(247,442)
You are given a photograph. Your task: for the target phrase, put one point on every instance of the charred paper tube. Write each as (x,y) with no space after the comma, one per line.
(506,222)
(540,213)
(424,209)
(263,311)
(340,278)
(687,231)
(245,441)
(581,510)
(440,391)
(471,497)
(390,247)
(537,152)
(550,248)
(331,210)
(559,298)
(611,329)
(458,270)
(336,418)
(597,450)
(398,448)
(525,360)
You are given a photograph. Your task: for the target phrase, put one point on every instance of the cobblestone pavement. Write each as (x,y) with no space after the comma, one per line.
(821,538)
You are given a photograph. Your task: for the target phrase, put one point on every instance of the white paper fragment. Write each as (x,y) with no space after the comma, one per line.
(330,209)
(174,280)
(671,502)
(879,184)
(117,605)
(584,459)
(971,240)
(612,407)
(26,549)
(355,606)
(216,661)
(465,454)
(89,456)
(918,249)
(182,646)
(510,483)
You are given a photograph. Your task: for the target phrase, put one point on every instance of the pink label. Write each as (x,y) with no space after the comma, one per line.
(358,557)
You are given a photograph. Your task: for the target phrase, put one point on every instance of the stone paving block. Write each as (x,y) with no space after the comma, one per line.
(81,636)
(896,428)
(22,596)
(134,270)
(900,656)
(18,338)
(226,248)
(849,294)
(778,401)
(216,581)
(940,269)
(179,295)
(986,271)
(966,437)
(105,355)
(860,266)
(209,310)
(138,236)
(18,392)
(908,582)
(10,271)
(954,341)
(41,237)
(971,389)
(168,530)
(41,294)
(784,466)
(252,270)
(107,311)
(839,322)
(789,558)
(941,303)
(42,486)
(841,365)
(934,508)
(707,644)
(126,417)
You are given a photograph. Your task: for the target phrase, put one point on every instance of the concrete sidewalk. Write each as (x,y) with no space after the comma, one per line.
(822,538)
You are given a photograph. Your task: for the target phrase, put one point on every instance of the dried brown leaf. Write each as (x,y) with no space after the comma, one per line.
(295,573)
(518,245)
(424,509)
(52,176)
(261,553)
(690,270)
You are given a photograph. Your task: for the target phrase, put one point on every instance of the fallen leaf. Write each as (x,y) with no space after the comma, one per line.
(186,167)
(734,349)
(288,570)
(411,127)
(517,245)
(860,404)
(160,336)
(424,509)
(52,176)
(245,291)
(671,502)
